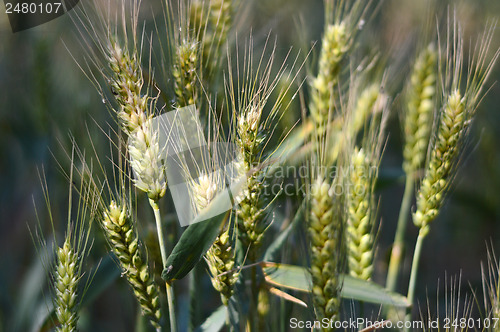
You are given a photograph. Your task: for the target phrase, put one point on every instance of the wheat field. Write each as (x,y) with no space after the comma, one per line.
(229,165)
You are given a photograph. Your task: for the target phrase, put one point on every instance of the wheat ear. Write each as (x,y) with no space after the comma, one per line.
(134,115)
(220,259)
(66,277)
(370,102)
(251,211)
(335,45)
(360,216)
(419,114)
(454,124)
(184,72)
(324,228)
(220,17)
(122,236)
(417,123)
(343,21)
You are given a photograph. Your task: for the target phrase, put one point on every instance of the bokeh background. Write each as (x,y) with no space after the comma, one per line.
(45,99)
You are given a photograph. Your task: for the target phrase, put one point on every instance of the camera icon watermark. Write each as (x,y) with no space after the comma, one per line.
(203,176)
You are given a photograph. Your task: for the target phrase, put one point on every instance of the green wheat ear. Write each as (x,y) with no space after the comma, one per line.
(66,277)
(184,73)
(335,45)
(418,119)
(325,233)
(220,258)
(134,115)
(121,234)
(360,216)
(250,211)
(343,21)
(452,127)
(455,120)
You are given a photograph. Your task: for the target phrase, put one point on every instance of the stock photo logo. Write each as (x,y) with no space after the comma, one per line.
(203,175)
(27,14)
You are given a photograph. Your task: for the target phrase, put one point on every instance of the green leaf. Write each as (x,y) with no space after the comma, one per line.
(288,276)
(30,304)
(273,250)
(200,235)
(215,322)
(368,291)
(298,278)
(193,244)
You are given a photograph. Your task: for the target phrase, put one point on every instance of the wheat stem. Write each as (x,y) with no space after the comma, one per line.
(399,242)
(422,234)
(168,286)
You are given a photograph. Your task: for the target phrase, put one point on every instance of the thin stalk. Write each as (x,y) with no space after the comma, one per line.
(254,314)
(414,268)
(161,242)
(194,302)
(398,246)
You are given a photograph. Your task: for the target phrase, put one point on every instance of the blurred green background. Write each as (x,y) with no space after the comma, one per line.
(45,97)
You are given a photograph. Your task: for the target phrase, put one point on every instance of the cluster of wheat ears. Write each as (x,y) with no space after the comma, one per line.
(243,100)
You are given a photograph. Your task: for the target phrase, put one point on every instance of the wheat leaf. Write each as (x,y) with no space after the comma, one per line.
(299,279)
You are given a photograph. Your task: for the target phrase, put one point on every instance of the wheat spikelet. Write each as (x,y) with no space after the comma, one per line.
(324,228)
(420,110)
(66,276)
(122,237)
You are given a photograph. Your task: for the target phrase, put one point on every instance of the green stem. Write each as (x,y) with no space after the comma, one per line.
(161,242)
(414,268)
(254,314)
(398,246)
